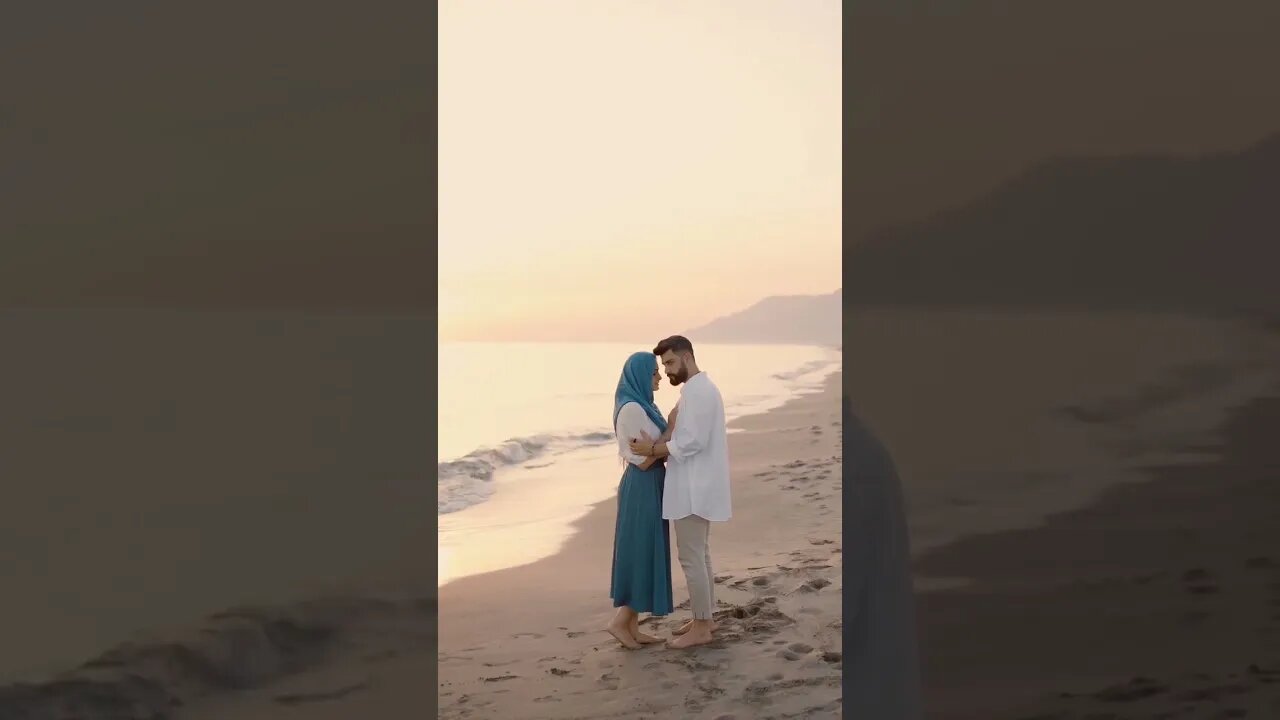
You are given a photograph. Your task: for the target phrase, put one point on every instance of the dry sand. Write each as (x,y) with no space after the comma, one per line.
(528,642)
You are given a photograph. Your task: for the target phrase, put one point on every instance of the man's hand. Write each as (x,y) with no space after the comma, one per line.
(643,446)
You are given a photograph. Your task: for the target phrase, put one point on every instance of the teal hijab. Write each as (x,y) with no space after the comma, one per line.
(636,385)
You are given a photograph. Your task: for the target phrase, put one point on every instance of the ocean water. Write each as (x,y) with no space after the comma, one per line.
(526,440)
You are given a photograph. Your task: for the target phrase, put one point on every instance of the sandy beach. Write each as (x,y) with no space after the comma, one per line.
(1093,509)
(529,642)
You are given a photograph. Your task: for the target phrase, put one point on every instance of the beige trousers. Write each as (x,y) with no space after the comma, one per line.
(693,535)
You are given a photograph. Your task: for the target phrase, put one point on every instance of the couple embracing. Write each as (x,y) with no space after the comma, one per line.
(677,473)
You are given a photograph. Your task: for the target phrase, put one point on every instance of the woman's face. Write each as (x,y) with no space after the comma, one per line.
(657,379)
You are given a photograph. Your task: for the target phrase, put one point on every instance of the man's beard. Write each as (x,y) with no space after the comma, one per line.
(678,378)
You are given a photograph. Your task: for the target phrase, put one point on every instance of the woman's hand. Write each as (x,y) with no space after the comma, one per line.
(643,446)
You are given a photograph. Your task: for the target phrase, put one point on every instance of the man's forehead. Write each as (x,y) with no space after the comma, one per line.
(668,356)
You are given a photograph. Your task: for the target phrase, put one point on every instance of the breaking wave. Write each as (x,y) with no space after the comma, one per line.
(468,480)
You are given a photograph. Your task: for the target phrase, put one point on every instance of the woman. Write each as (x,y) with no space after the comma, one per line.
(641,543)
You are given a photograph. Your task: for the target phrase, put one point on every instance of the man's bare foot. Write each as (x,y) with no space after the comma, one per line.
(640,637)
(689,626)
(697,635)
(622,634)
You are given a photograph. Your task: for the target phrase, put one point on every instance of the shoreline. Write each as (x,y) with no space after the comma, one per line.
(778,590)
(529,642)
(599,520)
(362,646)
(556,527)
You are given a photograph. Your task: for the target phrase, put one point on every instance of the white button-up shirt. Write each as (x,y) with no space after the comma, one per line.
(698,468)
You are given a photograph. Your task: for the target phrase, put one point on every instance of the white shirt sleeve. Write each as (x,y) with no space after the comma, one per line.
(693,427)
(631,423)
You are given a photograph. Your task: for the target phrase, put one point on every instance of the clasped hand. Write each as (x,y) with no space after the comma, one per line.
(642,446)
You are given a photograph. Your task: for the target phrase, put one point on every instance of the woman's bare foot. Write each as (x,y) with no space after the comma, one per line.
(622,634)
(689,625)
(640,637)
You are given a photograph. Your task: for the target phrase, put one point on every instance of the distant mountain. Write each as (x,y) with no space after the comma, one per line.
(790,319)
(1158,233)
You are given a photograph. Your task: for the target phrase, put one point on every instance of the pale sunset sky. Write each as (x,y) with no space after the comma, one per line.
(614,169)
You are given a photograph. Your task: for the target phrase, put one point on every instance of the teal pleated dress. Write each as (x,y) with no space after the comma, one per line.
(642,544)
(641,578)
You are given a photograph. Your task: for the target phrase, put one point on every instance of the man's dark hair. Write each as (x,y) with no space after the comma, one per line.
(676,344)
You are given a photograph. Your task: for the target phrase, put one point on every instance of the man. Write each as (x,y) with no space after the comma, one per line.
(697,485)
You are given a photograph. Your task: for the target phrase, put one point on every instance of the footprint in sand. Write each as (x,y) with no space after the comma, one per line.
(814,585)
(535,636)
